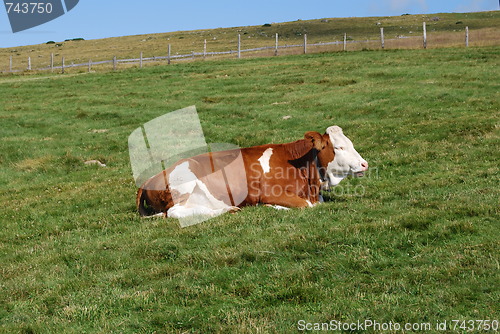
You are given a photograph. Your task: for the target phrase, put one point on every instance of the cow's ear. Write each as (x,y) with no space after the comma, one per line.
(316,139)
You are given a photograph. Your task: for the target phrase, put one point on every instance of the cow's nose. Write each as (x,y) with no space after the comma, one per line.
(364,164)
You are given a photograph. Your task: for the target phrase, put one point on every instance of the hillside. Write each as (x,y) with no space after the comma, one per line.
(445,28)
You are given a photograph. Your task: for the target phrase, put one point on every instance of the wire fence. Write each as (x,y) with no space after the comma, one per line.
(277,49)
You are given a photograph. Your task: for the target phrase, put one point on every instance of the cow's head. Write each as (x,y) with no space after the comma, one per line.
(338,158)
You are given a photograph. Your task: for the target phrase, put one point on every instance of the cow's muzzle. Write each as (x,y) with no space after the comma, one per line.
(364,168)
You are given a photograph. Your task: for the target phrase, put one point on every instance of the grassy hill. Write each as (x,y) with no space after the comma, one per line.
(444,29)
(416,241)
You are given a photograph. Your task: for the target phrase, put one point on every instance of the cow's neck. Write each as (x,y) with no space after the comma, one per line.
(297,149)
(303,155)
(321,171)
(335,179)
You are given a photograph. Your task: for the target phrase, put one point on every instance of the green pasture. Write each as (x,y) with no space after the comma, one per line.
(415,241)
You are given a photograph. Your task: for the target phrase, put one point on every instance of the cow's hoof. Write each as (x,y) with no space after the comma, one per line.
(277,207)
(156,215)
(233,209)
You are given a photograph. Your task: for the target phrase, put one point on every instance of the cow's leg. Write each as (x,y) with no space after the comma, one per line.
(277,207)
(200,202)
(288,200)
(181,211)
(156,215)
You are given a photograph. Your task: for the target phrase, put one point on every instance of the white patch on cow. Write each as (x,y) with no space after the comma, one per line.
(347,160)
(181,211)
(199,202)
(264,160)
(182,179)
(309,203)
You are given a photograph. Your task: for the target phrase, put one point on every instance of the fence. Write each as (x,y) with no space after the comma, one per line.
(276,49)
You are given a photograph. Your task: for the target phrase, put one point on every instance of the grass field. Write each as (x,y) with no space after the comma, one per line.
(444,30)
(416,241)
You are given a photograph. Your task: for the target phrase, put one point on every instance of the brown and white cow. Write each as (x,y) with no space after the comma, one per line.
(285,175)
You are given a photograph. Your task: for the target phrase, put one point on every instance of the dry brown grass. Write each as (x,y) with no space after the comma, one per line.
(402,32)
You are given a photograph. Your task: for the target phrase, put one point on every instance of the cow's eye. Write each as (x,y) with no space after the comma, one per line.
(340,148)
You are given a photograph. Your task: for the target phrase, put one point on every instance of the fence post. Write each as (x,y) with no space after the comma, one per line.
(305,43)
(345,41)
(276,48)
(29,63)
(425,36)
(52,62)
(10,64)
(239,46)
(205,49)
(62,65)
(169,52)
(114,63)
(467,36)
(382,37)
(140,61)
(90,65)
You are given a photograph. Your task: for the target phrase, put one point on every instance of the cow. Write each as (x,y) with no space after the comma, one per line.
(289,175)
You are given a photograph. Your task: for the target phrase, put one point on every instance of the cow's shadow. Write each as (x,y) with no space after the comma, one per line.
(329,196)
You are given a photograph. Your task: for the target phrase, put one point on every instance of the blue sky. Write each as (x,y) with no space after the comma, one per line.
(92,19)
